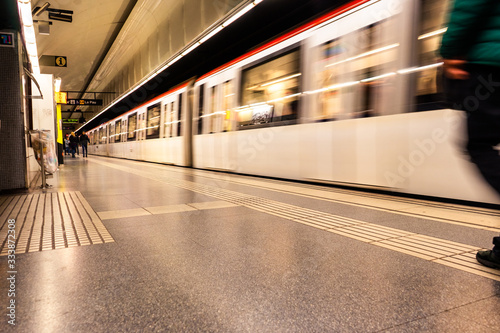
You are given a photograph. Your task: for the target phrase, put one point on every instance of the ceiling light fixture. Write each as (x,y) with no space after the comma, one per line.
(29,33)
(57,84)
(38,10)
(60,17)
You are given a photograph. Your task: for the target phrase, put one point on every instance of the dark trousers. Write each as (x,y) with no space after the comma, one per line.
(84,149)
(479,96)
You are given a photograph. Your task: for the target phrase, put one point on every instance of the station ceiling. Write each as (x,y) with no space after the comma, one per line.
(96,23)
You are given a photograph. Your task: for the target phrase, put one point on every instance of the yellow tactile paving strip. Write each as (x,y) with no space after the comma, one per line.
(441,251)
(124,213)
(49,221)
(473,217)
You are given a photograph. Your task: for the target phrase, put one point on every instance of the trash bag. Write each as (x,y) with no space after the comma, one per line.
(49,151)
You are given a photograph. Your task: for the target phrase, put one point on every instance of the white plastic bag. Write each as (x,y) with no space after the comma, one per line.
(49,153)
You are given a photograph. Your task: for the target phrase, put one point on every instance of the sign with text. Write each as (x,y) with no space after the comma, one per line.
(84,102)
(70,120)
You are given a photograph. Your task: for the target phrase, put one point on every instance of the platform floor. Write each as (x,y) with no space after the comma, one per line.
(127,246)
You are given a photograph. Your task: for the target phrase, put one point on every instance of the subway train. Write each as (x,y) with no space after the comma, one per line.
(351,98)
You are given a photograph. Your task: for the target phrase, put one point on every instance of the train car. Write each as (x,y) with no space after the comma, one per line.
(352,97)
(157,131)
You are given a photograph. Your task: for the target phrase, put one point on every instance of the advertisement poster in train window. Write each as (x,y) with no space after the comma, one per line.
(132,127)
(270,91)
(153,122)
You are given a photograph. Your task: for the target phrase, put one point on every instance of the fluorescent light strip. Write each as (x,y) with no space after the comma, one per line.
(57,84)
(29,33)
(385,48)
(239,14)
(211,34)
(433,33)
(213,114)
(283,98)
(333,87)
(418,69)
(191,49)
(281,80)
(378,77)
(201,41)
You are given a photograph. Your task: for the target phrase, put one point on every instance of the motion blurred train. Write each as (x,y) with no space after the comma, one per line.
(350,98)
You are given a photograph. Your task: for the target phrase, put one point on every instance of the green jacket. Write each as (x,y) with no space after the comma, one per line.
(473,32)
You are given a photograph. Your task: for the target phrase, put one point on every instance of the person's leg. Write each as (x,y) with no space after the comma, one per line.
(490,258)
(484,136)
(482,103)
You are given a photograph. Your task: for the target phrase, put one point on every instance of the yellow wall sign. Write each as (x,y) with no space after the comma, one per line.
(61,97)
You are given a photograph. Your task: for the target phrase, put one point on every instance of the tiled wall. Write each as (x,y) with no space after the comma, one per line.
(12,146)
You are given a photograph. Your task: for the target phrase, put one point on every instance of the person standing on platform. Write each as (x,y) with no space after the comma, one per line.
(66,145)
(471,53)
(84,140)
(73,143)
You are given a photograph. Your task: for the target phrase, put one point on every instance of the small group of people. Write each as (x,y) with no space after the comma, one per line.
(72,141)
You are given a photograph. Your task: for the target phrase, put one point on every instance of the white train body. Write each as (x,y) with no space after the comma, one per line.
(333,102)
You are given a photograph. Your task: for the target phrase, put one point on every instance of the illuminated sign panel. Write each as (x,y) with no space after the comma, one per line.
(61,98)
(6,39)
(84,102)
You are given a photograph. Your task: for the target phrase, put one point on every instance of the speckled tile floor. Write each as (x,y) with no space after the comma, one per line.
(197,252)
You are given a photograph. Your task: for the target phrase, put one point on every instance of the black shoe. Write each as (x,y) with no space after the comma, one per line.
(488,259)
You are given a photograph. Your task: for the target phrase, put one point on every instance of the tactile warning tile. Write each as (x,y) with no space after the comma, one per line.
(49,221)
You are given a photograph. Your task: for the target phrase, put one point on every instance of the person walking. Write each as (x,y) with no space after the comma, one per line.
(84,140)
(73,144)
(471,55)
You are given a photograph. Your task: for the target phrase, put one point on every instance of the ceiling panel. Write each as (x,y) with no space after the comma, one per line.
(83,41)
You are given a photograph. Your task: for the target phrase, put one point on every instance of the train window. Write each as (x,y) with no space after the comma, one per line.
(227,104)
(166,124)
(212,117)
(201,96)
(142,126)
(432,27)
(169,119)
(179,114)
(118,131)
(354,74)
(112,133)
(132,127)
(101,135)
(330,53)
(270,91)
(153,122)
